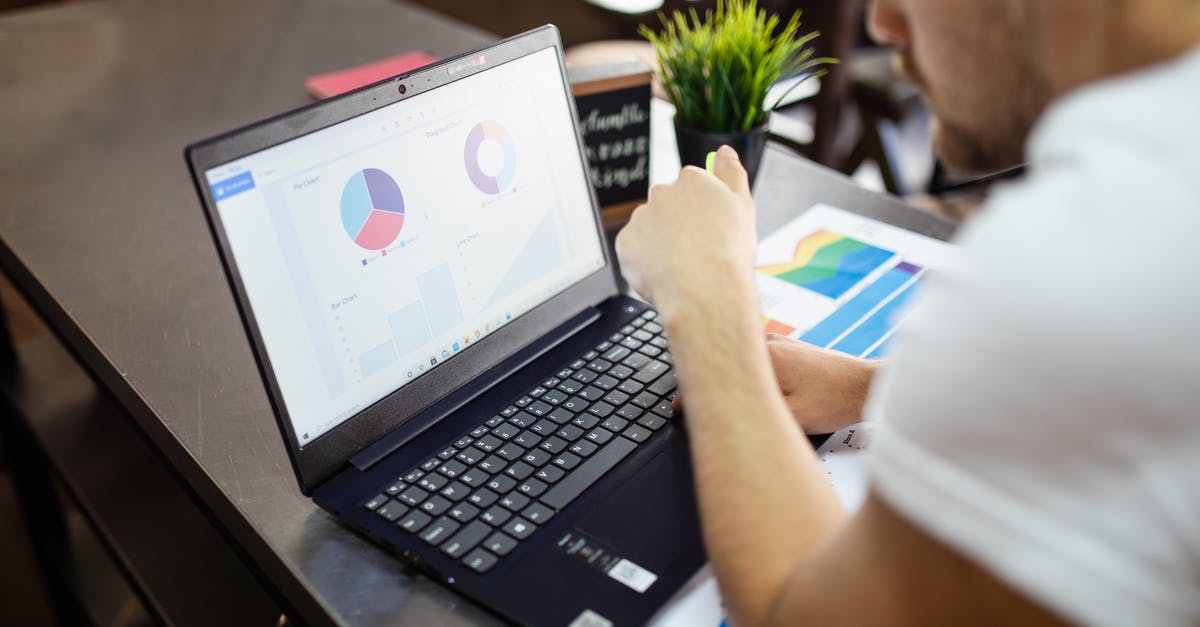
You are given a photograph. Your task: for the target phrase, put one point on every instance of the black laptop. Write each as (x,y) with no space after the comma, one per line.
(426,285)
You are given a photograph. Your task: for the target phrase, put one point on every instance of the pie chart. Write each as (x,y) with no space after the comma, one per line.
(372,209)
(485,182)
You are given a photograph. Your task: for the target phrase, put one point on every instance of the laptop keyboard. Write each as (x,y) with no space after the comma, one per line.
(491,489)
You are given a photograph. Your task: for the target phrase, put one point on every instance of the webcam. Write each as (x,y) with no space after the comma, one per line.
(403,88)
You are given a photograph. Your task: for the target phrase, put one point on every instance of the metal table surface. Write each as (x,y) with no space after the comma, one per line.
(101,229)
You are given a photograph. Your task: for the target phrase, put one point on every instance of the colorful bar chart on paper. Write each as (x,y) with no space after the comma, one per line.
(862,324)
(829,263)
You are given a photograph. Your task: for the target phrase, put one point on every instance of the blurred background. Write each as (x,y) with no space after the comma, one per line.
(863,121)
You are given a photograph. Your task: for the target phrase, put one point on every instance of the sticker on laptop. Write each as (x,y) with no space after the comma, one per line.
(590,552)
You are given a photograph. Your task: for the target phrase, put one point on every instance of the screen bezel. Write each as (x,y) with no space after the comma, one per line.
(319,459)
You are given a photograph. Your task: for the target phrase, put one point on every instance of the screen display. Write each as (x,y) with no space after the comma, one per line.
(375,250)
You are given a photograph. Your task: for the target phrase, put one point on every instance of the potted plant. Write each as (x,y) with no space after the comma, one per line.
(717,72)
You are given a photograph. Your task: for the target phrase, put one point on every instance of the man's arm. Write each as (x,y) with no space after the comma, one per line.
(781,546)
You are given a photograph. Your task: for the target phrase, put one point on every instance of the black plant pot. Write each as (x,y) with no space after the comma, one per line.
(694,146)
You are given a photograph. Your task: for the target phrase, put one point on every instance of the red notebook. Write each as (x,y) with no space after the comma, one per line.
(342,81)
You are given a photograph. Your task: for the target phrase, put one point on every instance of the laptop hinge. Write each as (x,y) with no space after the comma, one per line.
(406,432)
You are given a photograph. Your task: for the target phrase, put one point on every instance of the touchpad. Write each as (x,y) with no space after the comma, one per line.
(652,517)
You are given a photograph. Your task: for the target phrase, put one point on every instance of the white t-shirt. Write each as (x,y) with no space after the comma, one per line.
(1042,411)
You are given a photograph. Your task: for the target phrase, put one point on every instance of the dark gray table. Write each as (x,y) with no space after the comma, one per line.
(101,229)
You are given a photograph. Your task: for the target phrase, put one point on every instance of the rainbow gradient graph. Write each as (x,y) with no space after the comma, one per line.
(372,209)
(484,131)
(829,263)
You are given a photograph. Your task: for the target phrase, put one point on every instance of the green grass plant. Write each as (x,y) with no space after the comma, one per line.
(717,70)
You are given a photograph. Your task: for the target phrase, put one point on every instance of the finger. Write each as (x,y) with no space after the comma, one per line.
(677,402)
(728,168)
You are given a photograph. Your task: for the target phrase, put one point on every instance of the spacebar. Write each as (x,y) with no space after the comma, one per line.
(575,483)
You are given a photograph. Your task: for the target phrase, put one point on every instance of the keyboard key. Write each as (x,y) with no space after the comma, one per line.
(435,506)
(586,421)
(537,514)
(501,484)
(630,412)
(649,314)
(376,501)
(537,392)
(466,539)
(447,453)
(538,408)
(469,456)
(631,343)
(392,510)
(616,337)
(585,376)
(414,475)
(570,386)
(551,383)
(630,386)
(553,445)
(637,322)
(544,427)
(495,516)
(480,561)
(464,512)
(523,401)
(500,544)
(439,530)
(520,528)
(511,451)
(650,350)
(532,488)
(577,364)
(615,397)
(522,420)
(591,393)
(565,373)
(550,474)
(527,439)
(603,346)
(637,361)
(653,327)
(479,431)
(554,397)
(570,433)
(483,497)
(651,371)
(519,470)
(488,443)
(660,342)
(590,355)
(652,422)
(643,335)
(536,457)
(566,461)
(637,433)
(588,473)
(452,468)
(433,483)
(509,412)
(583,448)
(664,409)
(506,431)
(600,409)
(456,491)
(464,442)
(645,400)
(600,365)
(474,477)
(514,501)
(495,421)
(606,383)
(396,488)
(599,435)
(615,423)
(414,521)
(413,495)
(493,464)
(577,405)
(561,415)
(617,353)
(663,385)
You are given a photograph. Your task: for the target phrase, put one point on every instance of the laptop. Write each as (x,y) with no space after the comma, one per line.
(426,286)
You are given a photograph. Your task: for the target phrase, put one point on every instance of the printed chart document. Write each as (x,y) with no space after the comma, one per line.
(837,280)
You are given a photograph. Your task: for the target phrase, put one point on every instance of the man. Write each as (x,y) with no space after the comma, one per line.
(1039,439)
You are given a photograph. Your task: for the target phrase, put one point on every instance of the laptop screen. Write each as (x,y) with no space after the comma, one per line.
(374,250)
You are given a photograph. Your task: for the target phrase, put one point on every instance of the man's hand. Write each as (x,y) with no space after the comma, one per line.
(824,389)
(693,238)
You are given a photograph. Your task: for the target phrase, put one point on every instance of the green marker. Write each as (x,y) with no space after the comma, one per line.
(709,161)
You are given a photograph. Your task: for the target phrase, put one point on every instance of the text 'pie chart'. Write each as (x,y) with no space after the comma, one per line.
(498,137)
(372,209)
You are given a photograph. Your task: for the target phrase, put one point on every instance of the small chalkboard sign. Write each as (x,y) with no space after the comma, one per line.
(613,101)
